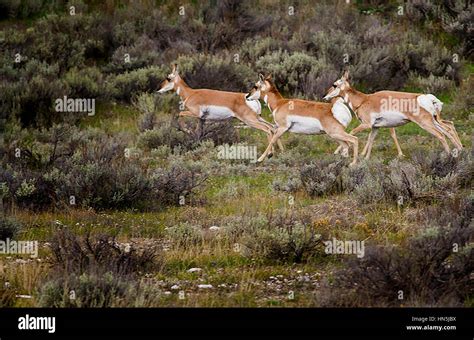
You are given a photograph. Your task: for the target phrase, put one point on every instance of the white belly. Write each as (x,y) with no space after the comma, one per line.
(341,112)
(215,112)
(306,125)
(388,119)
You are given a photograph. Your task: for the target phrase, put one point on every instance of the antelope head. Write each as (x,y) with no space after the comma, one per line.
(171,81)
(261,88)
(339,88)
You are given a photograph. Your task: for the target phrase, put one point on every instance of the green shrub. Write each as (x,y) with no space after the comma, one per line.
(294,73)
(63,166)
(126,85)
(85,291)
(429,270)
(85,83)
(431,84)
(286,237)
(184,235)
(322,177)
(164,134)
(9,227)
(214,72)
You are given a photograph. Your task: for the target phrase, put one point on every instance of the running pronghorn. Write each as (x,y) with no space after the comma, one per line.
(389,109)
(216,105)
(303,116)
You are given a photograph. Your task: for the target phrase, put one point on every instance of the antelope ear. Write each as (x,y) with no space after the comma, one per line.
(269,77)
(261,77)
(346,75)
(176,69)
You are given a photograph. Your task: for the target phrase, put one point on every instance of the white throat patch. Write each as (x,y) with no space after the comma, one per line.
(254,106)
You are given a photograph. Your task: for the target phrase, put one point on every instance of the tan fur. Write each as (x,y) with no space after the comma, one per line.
(282,108)
(366,104)
(193,99)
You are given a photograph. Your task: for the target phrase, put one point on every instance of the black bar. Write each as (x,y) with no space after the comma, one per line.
(197,323)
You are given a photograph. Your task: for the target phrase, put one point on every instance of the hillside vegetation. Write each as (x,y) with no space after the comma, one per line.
(130,209)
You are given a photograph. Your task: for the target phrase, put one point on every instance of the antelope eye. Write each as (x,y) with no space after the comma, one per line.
(334,85)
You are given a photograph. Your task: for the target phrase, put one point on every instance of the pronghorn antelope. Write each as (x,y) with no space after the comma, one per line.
(216,105)
(303,116)
(390,109)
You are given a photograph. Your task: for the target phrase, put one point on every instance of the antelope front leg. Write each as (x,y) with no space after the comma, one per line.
(394,137)
(344,137)
(345,148)
(186,114)
(257,124)
(279,132)
(356,130)
(280,145)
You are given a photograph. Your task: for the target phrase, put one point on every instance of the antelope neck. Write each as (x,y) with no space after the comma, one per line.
(182,89)
(272,99)
(355,97)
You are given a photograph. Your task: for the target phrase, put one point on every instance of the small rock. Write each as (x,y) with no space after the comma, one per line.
(175,287)
(194,270)
(205,286)
(214,228)
(167,293)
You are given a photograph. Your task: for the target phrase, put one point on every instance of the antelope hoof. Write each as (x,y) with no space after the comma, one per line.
(270,155)
(353,163)
(401,155)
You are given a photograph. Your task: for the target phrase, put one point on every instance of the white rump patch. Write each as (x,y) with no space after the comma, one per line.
(254,105)
(430,103)
(341,112)
(215,112)
(302,124)
(388,119)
